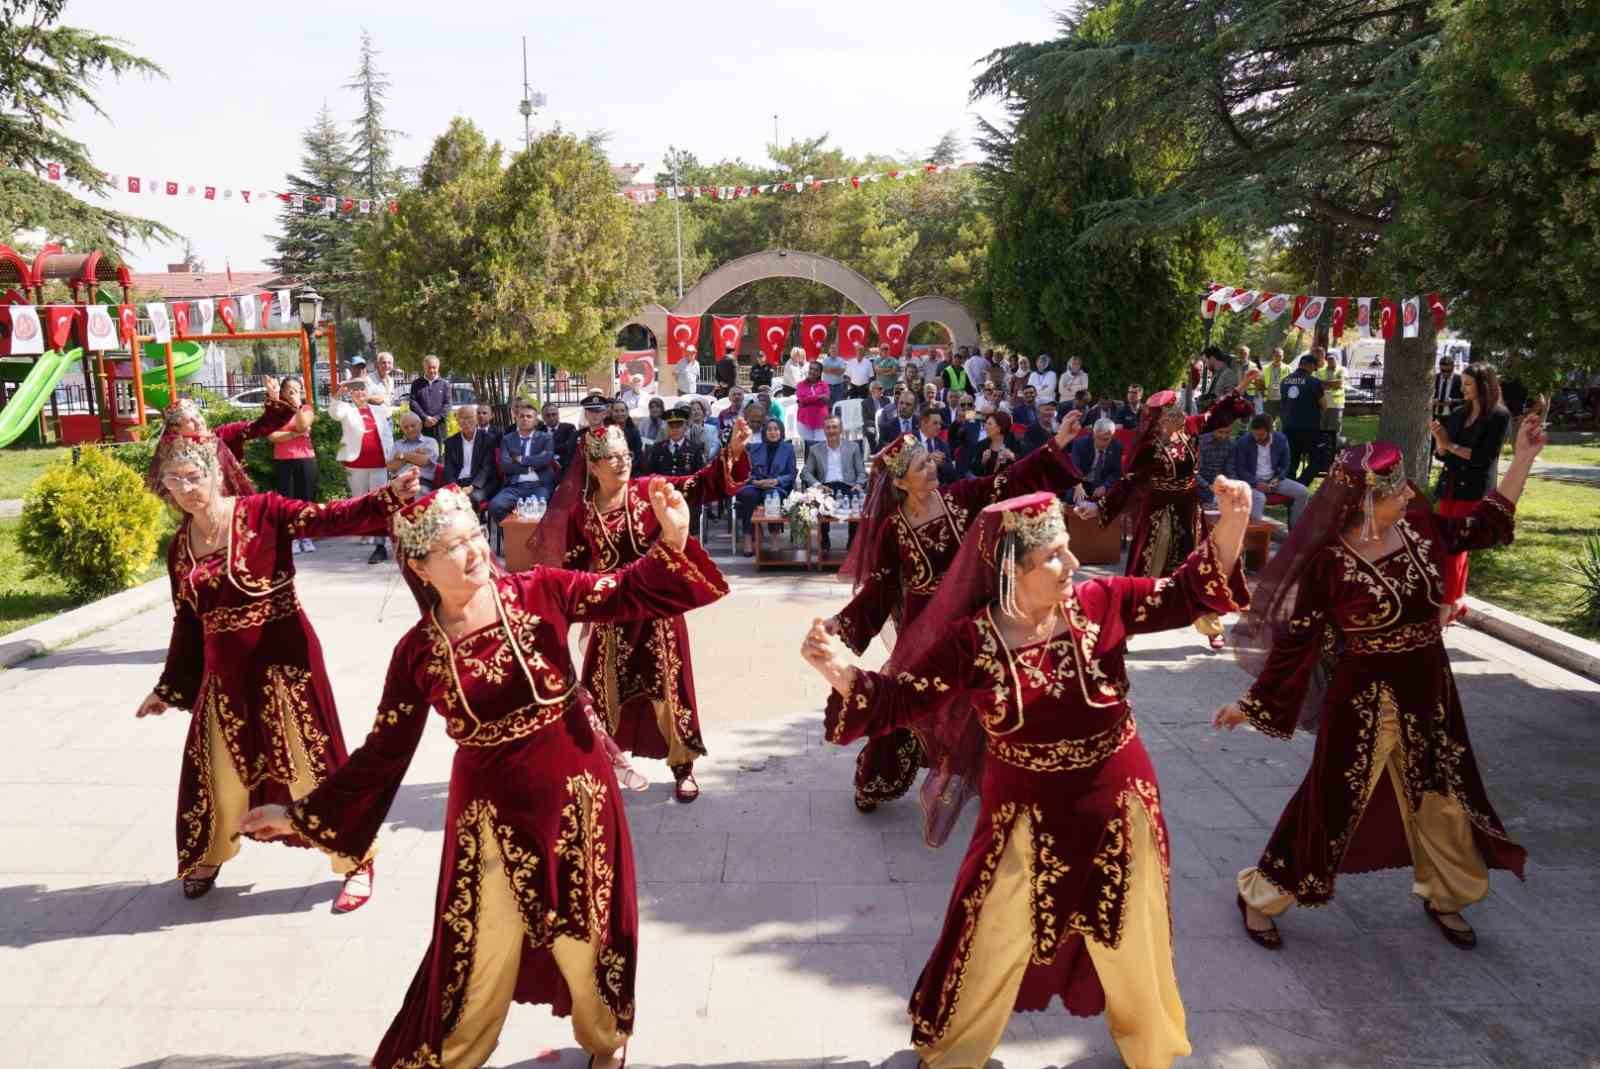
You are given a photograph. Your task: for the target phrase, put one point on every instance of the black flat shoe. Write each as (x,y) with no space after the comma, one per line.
(198,886)
(379,555)
(865,806)
(1466,940)
(1268,939)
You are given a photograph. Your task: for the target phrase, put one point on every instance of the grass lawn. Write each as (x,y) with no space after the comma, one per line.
(1534,575)
(1566,448)
(19,467)
(25,600)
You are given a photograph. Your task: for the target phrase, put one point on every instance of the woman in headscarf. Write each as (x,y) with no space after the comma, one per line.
(1159,476)
(1343,637)
(639,670)
(243,656)
(1468,445)
(910,531)
(536,897)
(1063,890)
(772,468)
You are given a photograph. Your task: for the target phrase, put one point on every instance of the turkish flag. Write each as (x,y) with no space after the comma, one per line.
(892,330)
(229,317)
(128,320)
(1299,304)
(180,320)
(729,332)
(814,333)
(172,189)
(682,332)
(1410,312)
(264,306)
(773,334)
(1341,308)
(133,184)
(1386,318)
(853,335)
(59,318)
(1436,307)
(1213,301)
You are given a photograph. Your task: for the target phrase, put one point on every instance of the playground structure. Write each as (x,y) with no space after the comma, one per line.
(121,389)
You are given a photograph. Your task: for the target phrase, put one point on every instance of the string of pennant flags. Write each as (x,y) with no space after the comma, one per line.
(1375,317)
(852,334)
(103,327)
(326,203)
(651,194)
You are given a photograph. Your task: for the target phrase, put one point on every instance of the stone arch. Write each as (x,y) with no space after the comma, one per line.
(782,263)
(948,314)
(651,317)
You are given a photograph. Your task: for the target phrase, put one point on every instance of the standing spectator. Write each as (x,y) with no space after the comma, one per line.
(998,449)
(1099,457)
(833,373)
(931,402)
(1469,445)
(655,424)
(1072,380)
(930,436)
(1271,386)
(727,371)
(1216,458)
(1129,414)
(702,431)
(618,416)
(294,461)
(954,378)
(1224,377)
(382,390)
(1257,391)
(366,436)
(1043,379)
(563,436)
(525,458)
(1332,376)
(1036,432)
(430,400)
(887,369)
(858,373)
(977,367)
(732,410)
(1018,370)
(414,451)
(772,467)
(469,460)
(813,404)
(1302,420)
(678,454)
(760,374)
(632,395)
(1447,395)
(794,371)
(688,372)
(1261,461)
(902,419)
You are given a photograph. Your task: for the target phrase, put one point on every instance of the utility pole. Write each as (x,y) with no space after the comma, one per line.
(677,212)
(774,129)
(531,100)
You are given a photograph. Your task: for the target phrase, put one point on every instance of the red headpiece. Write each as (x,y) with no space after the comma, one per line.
(1157,401)
(895,457)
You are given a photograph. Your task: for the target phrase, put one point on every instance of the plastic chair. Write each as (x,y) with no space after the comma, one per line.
(849,414)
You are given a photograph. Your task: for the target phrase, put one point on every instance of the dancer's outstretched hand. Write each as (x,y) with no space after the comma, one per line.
(1233,497)
(152,706)
(826,653)
(1531,435)
(672,512)
(1228,717)
(406,485)
(738,437)
(266,822)
(1070,424)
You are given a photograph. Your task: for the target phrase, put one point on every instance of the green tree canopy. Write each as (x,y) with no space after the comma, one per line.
(317,246)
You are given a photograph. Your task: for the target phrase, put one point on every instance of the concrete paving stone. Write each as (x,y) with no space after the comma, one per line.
(1176,768)
(927,903)
(913,861)
(680,857)
(1207,807)
(742,811)
(827,769)
(1549,970)
(738,913)
(836,811)
(852,911)
(1221,974)
(806,857)
(1204,907)
(1226,850)
(79,972)
(56,1036)
(202,974)
(1185,855)
(1553,898)
(1373,977)
(59,905)
(1374,1037)
(1514,1037)
(1441,972)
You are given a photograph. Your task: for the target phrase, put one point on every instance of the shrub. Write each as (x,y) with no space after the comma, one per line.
(1586,571)
(331,480)
(89,522)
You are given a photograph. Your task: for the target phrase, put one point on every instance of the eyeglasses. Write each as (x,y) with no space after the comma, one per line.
(186,482)
(459,546)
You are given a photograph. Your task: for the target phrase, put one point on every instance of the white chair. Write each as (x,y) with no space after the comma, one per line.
(849,415)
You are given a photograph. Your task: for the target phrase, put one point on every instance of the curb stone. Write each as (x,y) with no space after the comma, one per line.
(69,627)
(1575,654)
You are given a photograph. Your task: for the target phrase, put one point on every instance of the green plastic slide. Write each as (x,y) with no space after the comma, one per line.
(187,359)
(22,410)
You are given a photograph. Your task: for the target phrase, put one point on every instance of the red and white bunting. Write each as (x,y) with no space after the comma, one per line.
(256,196)
(1373,316)
(807,184)
(1410,316)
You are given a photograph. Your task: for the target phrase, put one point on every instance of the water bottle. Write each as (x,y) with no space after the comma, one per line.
(772,506)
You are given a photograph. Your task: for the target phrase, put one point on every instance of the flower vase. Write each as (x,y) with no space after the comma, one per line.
(798,533)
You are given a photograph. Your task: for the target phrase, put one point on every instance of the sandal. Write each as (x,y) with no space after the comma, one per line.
(1218,642)
(630,778)
(688,789)
(200,886)
(1466,939)
(353,898)
(1267,938)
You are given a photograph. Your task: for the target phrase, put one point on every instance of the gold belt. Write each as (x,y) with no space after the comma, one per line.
(1172,484)
(1400,639)
(517,724)
(278,605)
(1067,755)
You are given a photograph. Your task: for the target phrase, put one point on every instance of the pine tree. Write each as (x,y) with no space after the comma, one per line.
(372,156)
(315,246)
(45,72)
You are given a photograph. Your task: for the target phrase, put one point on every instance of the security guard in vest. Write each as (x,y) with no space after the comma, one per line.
(1270,386)
(1332,376)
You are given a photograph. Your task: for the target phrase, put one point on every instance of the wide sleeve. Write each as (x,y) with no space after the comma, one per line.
(1492,522)
(1126,606)
(1227,409)
(275,415)
(343,815)
(1121,491)
(1273,702)
(180,676)
(719,480)
(663,582)
(879,704)
(364,515)
(864,615)
(1046,468)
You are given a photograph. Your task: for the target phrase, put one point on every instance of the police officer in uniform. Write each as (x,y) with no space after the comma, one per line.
(678,454)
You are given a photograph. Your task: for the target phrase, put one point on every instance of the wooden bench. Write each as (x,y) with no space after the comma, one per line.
(1092,543)
(1257,549)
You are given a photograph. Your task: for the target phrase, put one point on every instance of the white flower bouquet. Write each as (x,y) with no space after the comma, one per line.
(802,508)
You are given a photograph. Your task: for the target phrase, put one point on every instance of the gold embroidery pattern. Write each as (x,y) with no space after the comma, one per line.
(279,605)
(198,818)
(288,701)
(421,1058)
(1260,716)
(880,788)
(460,914)
(1065,755)
(1400,639)
(1047,871)
(519,723)
(582,846)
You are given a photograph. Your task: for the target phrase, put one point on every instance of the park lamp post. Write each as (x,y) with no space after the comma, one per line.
(310,316)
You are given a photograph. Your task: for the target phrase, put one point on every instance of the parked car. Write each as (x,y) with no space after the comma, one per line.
(255,398)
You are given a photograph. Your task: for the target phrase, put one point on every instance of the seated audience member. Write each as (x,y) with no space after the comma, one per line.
(989,401)
(764,395)
(1261,459)
(526,459)
(677,453)
(997,449)
(930,432)
(902,419)
(1025,408)
(413,450)
(1099,459)
(564,435)
(1080,402)
(469,457)
(596,411)
(632,394)
(877,403)
(1106,408)
(732,410)
(1037,433)
(772,467)
(701,430)
(655,424)
(619,417)
(834,462)
(1129,414)
(930,402)
(966,431)
(486,421)
(1216,457)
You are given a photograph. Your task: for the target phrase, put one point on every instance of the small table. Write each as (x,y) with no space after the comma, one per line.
(515,533)
(779,554)
(1258,542)
(834,556)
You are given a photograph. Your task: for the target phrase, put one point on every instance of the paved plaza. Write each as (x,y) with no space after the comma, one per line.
(780,928)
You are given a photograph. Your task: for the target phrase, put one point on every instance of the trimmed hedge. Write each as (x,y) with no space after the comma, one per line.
(89,522)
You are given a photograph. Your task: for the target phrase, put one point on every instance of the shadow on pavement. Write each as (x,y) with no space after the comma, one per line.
(78,658)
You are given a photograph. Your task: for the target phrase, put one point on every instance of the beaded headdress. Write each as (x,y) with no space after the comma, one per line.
(603,441)
(1027,523)
(417,525)
(895,458)
(1376,470)
(180,409)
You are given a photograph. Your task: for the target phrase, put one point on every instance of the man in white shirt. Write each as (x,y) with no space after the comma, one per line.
(469,457)
(1072,380)
(859,373)
(380,381)
(977,366)
(836,464)
(689,372)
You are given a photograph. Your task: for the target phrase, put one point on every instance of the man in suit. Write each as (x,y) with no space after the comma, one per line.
(525,460)
(1040,431)
(876,405)
(1261,458)
(469,457)
(1099,458)
(1132,410)
(966,431)
(1446,389)
(928,434)
(902,419)
(565,435)
(677,454)
(835,463)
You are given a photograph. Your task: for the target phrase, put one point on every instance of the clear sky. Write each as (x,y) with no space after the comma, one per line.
(244,80)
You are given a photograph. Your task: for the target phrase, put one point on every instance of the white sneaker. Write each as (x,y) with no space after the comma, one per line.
(365,540)
(294,547)
(307,546)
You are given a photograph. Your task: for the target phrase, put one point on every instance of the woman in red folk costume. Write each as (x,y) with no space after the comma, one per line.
(244,658)
(183,419)
(637,670)
(910,532)
(1344,637)
(1023,687)
(536,895)
(1160,476)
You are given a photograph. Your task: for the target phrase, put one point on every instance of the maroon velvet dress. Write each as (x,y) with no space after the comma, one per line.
(631,665)
(530,770)
(1382,618)
(243,651)
(1061,749)
(907,577)
(1161,475)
